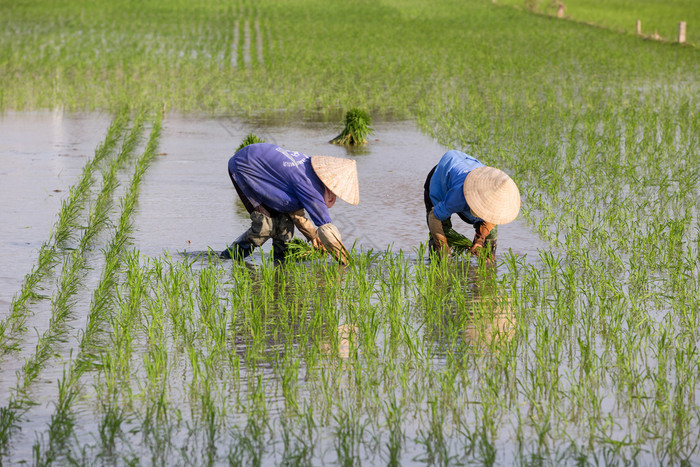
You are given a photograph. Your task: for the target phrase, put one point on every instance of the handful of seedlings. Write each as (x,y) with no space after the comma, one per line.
(357,128)
(458,243)
(301,250)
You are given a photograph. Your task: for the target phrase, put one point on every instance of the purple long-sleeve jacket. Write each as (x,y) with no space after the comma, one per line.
(279,179)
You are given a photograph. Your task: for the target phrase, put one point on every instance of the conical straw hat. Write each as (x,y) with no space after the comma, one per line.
(339,175)
(492,195)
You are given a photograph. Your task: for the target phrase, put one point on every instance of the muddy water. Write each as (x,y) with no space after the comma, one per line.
(187,201)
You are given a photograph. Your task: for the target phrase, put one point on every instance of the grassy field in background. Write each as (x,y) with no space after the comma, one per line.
(657,16)
(308,56)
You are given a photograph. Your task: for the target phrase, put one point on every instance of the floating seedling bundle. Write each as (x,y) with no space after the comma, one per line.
(357,128)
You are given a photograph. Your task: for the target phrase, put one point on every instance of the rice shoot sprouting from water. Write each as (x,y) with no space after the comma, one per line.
(357,128)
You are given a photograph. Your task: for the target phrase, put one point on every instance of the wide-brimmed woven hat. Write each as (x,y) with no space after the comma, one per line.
(492,195)
(339,175)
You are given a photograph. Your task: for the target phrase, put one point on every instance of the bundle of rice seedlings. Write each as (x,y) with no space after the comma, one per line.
(459,244)
(250,139)
(357,128)
(301,250)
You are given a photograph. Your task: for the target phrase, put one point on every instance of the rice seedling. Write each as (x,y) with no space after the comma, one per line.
(61,425)
(300,250)
(63,301)
(356,130)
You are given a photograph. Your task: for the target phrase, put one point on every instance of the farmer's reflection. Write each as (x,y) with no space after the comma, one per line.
(476,315)
(494,322)
(281,308)
(339,341)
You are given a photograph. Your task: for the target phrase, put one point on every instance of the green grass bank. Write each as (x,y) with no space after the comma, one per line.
(656,16)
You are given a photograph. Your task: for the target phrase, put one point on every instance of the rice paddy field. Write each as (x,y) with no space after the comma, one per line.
(124,342)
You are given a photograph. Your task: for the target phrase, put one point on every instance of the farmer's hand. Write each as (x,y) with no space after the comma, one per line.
(477,250)
(316,242)
(330,237)
(483,229)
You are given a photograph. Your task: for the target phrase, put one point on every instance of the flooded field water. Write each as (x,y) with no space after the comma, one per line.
(187,201)
(186,204)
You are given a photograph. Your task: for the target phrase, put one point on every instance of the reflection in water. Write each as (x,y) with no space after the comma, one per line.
(465,308)
(277,307)
(339,344)
(298,307)
(497,324)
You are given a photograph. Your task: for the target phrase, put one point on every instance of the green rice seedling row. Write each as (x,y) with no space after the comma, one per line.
(62,232)
(68,286)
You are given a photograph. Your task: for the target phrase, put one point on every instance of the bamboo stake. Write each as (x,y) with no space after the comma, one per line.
(681,32)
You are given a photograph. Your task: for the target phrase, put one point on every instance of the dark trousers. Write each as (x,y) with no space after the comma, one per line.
(266,223)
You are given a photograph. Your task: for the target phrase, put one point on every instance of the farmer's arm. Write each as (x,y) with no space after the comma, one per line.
(332,242)
(305,226)
(437,232)
(453,202)
(482,230)
(328,234)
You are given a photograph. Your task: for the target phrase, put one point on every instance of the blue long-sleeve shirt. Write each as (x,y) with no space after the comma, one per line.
(446,186)
(280,179)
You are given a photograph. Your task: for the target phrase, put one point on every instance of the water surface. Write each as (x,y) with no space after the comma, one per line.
(187,201)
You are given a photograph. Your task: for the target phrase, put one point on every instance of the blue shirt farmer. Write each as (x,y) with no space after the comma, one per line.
(447,186)
(279,179)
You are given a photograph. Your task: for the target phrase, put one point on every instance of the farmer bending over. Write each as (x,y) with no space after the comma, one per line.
(480,195)
(276,186)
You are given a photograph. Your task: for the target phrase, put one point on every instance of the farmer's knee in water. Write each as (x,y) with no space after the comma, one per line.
(260,230)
